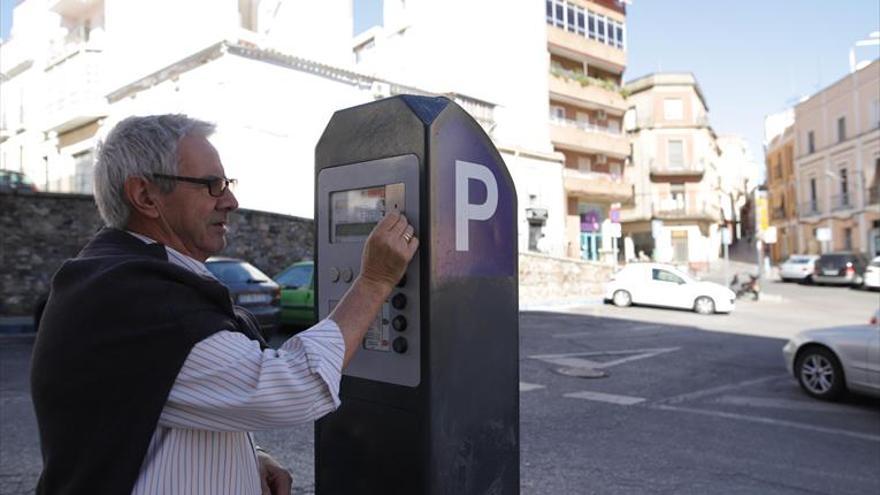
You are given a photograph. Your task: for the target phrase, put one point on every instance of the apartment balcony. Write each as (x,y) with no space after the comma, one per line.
(840,202)
(697,210)
(689,172)
(71,105)
(598,187)
(588,138)
(576,46)
(809,209)
(649,122)
(582,90)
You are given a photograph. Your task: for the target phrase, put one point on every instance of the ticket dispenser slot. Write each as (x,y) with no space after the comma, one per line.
(357,196)
(430,402)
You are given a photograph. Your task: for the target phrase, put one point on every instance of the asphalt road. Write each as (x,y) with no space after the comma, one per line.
(627,400)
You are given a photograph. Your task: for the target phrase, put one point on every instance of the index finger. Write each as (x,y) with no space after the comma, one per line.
(389,220)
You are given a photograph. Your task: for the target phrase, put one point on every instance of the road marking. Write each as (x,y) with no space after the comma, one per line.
(770,421)
(623,400)
(528,387)
(574,335)
(576,360)
(717,390)
(796,405)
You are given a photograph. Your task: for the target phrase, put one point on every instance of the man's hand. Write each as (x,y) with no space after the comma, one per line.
(388,250)
(274,479)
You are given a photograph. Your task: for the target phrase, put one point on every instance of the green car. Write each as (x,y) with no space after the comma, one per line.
(297,294)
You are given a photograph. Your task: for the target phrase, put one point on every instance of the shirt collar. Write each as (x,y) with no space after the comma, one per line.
(178,258)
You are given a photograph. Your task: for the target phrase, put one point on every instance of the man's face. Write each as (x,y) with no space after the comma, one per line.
(195,221)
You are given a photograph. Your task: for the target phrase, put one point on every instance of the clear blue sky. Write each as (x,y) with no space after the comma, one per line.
(751,57)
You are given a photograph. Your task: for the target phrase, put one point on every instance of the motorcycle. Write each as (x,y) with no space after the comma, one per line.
(744,287)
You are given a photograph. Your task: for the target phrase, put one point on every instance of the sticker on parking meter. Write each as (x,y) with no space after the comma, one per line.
(378,337)
(477,235)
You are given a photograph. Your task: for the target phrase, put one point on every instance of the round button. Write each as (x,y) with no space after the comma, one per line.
(402,281)
(399,323)
(334,274)
(399,345)
(398,301)
(347,275)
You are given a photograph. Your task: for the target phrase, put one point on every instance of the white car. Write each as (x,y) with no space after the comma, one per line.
(656,284)
(871,279)
(828,361)
(798,267)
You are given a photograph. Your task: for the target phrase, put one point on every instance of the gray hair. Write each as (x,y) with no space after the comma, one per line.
(138,147)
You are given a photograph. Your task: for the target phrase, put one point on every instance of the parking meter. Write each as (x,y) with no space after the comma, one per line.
(430,402)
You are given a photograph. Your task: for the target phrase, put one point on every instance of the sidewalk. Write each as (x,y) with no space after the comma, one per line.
(717,274)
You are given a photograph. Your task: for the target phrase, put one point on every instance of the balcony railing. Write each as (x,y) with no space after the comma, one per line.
(661,170)
(585,126)
(585,80)
(69,105)
(809,208)
(692,208)
(841,202)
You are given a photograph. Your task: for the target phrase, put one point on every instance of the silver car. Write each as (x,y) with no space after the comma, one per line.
(829,361)
(798,267)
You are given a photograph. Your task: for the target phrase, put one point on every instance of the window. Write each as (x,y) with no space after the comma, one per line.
(844,187)
(557,112)
(84,166)
(673,109)
(675,158)
(581,21)
(841,129)
(677,193)
(847,239)
(569,16)
(584,164)
(665,276)
(814,206)
(591,25)
(811,142)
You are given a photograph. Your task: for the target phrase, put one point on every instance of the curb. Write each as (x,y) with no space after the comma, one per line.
(560,305)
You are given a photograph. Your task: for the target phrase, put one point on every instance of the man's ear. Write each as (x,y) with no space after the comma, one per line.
(141,196)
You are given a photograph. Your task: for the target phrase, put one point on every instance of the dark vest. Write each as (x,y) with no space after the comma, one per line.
(119,323)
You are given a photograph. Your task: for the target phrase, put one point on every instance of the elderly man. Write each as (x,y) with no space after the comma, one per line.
(146,379)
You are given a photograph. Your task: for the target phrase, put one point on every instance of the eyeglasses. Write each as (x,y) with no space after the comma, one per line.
(217,186)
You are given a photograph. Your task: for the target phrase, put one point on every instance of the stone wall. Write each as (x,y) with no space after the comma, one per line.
(39,231)
(547,279)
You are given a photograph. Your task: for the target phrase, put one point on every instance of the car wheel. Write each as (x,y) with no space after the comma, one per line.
(808,280)
(858,282)
(704,305)
(622,298)
(819,373)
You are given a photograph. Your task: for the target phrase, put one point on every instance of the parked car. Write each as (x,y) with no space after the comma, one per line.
(16,181)
(798,267)
(297,294)
(842,268)
(656,284)
(829,361)
(251,289)
(871,279)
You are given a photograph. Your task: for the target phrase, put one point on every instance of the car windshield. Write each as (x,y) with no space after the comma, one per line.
(296,276)
(236,272)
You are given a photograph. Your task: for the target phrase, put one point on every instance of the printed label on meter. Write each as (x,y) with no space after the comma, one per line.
(378,337)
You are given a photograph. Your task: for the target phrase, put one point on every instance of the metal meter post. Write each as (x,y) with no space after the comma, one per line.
(430,402)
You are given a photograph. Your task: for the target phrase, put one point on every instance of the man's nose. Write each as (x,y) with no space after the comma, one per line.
(227,202)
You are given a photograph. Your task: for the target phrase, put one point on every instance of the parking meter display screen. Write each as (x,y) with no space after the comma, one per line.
(354,213)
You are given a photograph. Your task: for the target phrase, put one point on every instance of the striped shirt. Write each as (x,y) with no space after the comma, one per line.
(227,388)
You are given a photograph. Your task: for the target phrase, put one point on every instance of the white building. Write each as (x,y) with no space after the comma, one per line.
(739,174)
